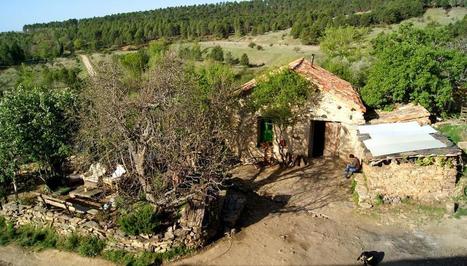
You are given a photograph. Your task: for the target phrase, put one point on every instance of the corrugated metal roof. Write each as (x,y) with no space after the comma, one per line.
(392,138)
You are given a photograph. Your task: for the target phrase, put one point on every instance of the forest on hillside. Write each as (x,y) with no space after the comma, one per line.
(307,18)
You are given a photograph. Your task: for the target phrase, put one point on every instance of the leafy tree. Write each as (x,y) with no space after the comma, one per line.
(278,93)
(244,60)
(37,126)
(344,42)
(308,19)
(135,63)
(413,65)
(217,53)
(230,59)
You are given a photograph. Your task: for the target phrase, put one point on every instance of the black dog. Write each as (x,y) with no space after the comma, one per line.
(371,258)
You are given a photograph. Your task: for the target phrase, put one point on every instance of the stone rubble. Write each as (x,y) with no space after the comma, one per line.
(66,224)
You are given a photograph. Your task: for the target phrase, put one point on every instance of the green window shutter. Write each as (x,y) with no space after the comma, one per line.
(266,132)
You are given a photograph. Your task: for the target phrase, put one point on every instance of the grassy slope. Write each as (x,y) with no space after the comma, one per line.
(432,15)
(284,48)
(9,76)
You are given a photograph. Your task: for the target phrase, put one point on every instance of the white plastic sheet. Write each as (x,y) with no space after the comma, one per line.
(393,138)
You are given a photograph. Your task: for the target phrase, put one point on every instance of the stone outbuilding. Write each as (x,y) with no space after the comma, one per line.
(407,161)
(327,126)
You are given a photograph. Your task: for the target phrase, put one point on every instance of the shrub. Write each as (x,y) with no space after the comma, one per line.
(252,45)
(141,220)
(217,54)
(259,47)
(379,200)
(90,246)
(7,231)
(70,243)
(30,236)
(244,60)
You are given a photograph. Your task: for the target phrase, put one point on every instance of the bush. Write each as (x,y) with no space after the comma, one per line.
(252,45)
(30,236)
(145,258)
(7,231)
(217,54)
(244,60)
(141,220)
(90,246)
(70,243)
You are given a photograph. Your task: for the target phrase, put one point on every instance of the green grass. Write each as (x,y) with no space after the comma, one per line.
(144,258)
(455,133)
(90,246)
(378,200)
(460,212)
(432,15)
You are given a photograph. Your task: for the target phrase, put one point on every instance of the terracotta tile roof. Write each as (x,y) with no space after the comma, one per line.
(324,79)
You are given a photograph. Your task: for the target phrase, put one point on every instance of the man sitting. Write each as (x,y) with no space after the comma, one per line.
(353,166)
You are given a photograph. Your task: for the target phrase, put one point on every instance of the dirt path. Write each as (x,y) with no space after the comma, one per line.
(16,256)
(312,221)
(88,65)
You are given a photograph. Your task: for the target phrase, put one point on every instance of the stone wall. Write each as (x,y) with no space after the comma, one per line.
(182,233)
(401,180)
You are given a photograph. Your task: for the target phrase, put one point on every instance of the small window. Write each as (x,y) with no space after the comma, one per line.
(266,132)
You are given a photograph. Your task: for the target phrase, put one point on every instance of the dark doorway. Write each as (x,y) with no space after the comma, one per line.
(317,134)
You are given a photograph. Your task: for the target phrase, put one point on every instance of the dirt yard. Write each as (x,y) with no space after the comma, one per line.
(306,216)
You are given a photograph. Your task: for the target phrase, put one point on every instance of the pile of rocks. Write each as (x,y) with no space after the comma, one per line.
(66,223)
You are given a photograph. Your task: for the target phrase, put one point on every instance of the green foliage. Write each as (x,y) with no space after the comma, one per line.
(70,243)
(308,19)
(355,73)
(278,93)
(455,133)
(244,60)
(217,53)
(345,42)
(145,258)
(135,63)
(252,45)
(425,161)
(50,77)
(413,65)
(192,52)
(7,231)
(90,246)
(378,200)
(460,212)
(230,59)
(142,219)
(30,236)
(37,126)
(156,50)
(353,186)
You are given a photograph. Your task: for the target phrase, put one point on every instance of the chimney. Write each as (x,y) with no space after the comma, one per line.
(312,59)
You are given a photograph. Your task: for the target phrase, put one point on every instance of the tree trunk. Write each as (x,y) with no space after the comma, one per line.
(139,158)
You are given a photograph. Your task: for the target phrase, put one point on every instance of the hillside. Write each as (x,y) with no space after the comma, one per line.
(308,20)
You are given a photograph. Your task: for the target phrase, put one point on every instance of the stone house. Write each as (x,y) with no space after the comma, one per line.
(332,125)
(326,126)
